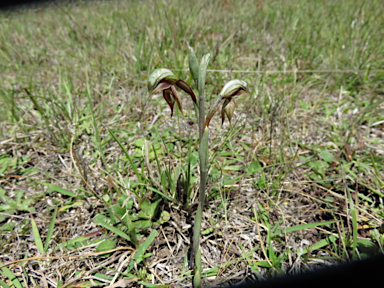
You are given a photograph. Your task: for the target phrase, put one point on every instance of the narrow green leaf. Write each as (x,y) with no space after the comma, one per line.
(131,230)
(50,230)
(302,227)
(139,255)
(319,244)
(11,277)
(36,236)
(160,193)
(134,167)
(100,220)
(251,264)
(36,104)
(69,244)
(73,204)
(150,285)
(55,188)
(3,284)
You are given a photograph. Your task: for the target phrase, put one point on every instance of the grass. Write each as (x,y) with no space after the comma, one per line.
(89,164)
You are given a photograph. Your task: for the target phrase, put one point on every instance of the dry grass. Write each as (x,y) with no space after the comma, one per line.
(304,148)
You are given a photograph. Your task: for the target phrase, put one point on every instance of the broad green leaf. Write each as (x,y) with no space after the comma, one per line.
(327,157)
(142,224)
(106,245)
(120,212)
(7,227)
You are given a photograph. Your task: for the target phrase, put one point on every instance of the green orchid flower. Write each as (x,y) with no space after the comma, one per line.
(163,79)
(232,89)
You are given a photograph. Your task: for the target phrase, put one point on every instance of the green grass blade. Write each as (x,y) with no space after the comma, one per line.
(160,193)
(150,285)
(55,188)
(95,127)
(11,277)
(319,244)
(139,255)
(99,219)
(50,230)
(134,167)
(302,227)
(71,243)
(3,284)
(36,236)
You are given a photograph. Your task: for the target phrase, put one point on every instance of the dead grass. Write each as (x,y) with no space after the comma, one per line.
(304,148)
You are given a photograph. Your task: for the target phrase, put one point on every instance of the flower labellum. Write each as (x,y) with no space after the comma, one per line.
(227,109)
(163,79)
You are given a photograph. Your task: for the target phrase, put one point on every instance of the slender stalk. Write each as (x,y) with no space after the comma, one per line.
(203,157)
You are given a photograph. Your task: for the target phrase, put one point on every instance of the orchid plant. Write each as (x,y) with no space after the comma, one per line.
(164,80)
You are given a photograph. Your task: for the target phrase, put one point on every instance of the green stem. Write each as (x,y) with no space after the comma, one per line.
(203,157)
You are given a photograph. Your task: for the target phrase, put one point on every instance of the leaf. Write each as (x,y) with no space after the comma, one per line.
(100,220)
(202,72)
(164,217)
(71,243)
(134,167)
(302,227)
(11,277)
(150,285)
(120,212)
(106,245)
(50,230)
(7,227)
(143,224)
(160,193)
(148,209)
(36,236)
(327,157)
(193,65)
(254,167)
(55,188)
(319,244)
(66,207)
(138,257)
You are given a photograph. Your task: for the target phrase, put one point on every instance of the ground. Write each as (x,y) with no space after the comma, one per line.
(295,181)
